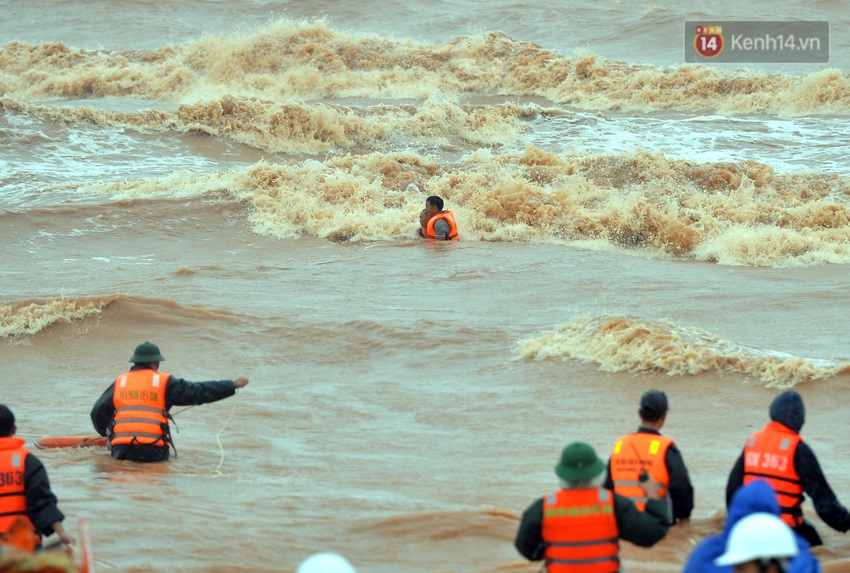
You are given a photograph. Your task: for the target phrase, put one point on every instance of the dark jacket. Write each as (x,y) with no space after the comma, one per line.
(680,491)
(788,410)
(41,502)
(42,510)
(643,528)
(757,496)
(178,392)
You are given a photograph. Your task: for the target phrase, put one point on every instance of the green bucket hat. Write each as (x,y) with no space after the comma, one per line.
(146,353)
(579,463)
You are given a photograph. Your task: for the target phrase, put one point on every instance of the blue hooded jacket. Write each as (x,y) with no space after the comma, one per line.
(757,496)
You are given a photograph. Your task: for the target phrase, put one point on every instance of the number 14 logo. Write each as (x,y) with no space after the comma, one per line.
(708,41)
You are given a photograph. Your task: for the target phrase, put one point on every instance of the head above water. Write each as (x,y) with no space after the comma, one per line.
(423,218)
(7,421)
(434,205)
(146,353)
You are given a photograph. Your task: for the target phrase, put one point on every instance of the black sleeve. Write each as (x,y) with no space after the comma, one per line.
(181,392)
(41,503)
(103,411)
(643,528)
(529,536)
(735,480)
(681,491)
(609,483)
(827,506)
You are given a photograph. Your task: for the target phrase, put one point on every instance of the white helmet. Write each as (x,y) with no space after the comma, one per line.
(326,563)
(758,536)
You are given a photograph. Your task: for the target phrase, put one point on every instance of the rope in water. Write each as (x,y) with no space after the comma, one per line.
(218,434)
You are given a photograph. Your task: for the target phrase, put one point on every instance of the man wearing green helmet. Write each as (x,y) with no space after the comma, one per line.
(577,528)
(133,412)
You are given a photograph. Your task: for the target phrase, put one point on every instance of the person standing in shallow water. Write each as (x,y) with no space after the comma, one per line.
(441,224)
(26,499)
(133,411)
(646,450)
(577,527)
(779,455)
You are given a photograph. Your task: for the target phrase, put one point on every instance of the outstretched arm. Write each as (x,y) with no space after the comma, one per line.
(181,392)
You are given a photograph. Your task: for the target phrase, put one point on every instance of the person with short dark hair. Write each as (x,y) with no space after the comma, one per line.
(441,224)
(577,528)
(133,412)
(779,455)
(647,452)
(26,499)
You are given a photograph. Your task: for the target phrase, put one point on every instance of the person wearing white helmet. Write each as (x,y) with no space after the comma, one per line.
(326,563)
(759,543)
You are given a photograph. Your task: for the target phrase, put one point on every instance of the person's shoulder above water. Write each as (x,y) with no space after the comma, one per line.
(441,224)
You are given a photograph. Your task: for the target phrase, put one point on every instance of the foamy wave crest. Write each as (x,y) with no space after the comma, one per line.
(633,344)
(309,60)
(732,213)
(17,319)
(300,128)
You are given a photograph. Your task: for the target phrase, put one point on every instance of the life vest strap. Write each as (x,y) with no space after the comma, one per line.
(562,561)
(627,483)
(580,543)
(12,493)
(136,435)
(137,421)
(141,409)
(8,513)
(772,476)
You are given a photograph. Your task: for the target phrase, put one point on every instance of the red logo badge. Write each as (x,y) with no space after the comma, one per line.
(708,41)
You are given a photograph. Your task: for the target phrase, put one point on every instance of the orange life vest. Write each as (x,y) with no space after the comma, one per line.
(16,529)
(140,414)
(633,453)
(579,531)
(769,455)
(449,218)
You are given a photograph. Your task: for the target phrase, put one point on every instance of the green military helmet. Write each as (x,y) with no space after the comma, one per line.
(579,463)
(146,353)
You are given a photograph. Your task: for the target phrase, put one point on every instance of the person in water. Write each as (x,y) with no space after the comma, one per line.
(423,223)
(133,411)
(577,527)
(646,450)
(779,455)
(28,507)
(441,224)
(755,497)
